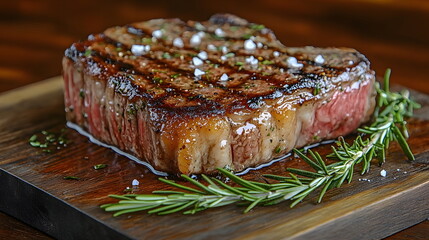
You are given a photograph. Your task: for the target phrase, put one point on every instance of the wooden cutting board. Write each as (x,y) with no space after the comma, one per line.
(33,188)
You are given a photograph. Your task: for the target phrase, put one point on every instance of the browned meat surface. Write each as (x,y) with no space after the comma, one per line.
(188,97)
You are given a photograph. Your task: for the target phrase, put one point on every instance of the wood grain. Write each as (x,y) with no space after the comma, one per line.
(417,232)
(34,34)
(34,183)
(14,229)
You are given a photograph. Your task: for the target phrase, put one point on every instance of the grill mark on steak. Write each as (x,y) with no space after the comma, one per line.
(240,52)
(160,64)
(211,107)
(187,58)
(131,69)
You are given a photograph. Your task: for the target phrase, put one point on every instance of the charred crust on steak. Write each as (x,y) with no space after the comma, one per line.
(192,96)
(164,75)
(226,18)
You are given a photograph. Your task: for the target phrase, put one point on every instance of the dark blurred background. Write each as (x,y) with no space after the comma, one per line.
(34,34)
(391,33)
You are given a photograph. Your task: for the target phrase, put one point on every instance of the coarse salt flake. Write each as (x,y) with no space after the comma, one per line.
(224,77)
(211,47)
(292,62)
(201,34)
(198,72)
(203,55)
(259,44)
(135,182)
(219,32)
(195,40)
(252,60)
(383,173)
(178,42)
(196,61)
(157,34)
(224,49)
(319,59)
(249,45)
(139,50)
(276,54)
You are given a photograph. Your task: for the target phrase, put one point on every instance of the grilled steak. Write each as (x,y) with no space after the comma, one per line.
(188,97)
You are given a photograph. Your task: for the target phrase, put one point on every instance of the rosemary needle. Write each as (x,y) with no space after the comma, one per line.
(388,125)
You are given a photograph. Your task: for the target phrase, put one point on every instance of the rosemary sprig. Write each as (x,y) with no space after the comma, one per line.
(388,125)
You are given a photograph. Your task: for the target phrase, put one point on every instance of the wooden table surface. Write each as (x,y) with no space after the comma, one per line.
(34,35)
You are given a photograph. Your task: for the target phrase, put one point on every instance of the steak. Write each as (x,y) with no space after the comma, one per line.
(188,97)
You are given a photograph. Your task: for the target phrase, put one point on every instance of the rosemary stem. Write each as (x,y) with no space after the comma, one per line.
(388,125)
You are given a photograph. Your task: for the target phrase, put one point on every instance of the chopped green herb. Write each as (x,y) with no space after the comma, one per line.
(147,40)
(50,141)
(81,93)
(247,36)
(239,64)
(88,52)
(316,90)
(157,80)
(35,143)
(118,49)
(33,138)
(43,145)
(257,26)
(71,178)
(175,75)
(278,149)
(166,55)
(234,28)
(51,138)
(229,55)
(100,166)
(267,62)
